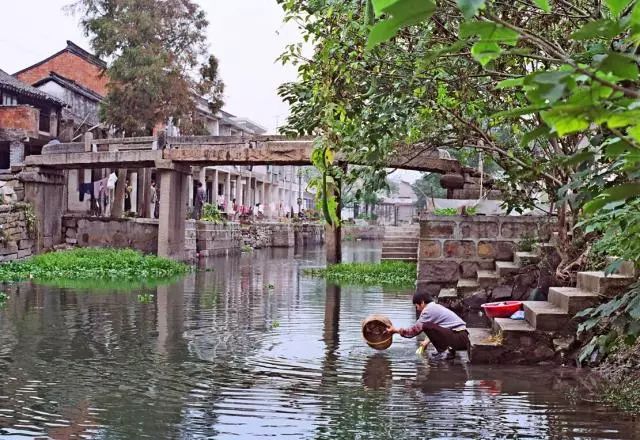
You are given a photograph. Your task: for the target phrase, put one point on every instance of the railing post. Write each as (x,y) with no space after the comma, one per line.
(88,145)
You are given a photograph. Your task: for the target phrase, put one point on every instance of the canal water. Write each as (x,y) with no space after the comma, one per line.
(254,349)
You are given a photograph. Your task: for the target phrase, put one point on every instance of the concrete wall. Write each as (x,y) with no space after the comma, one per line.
(456,247)
(16,238)
(371,232)
(214,239)
(85,231)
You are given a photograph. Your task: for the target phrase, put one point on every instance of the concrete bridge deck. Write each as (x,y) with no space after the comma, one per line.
(147,152)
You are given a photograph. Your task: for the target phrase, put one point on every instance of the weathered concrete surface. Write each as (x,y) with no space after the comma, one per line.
(173,209)
(101,159)
(370,232)
(85,231)
(44,190)
(308,233)
(218,239)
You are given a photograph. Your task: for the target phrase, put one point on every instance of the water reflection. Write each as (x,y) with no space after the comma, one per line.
(254,348)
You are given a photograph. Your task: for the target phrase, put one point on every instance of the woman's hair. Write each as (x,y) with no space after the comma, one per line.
(422,297)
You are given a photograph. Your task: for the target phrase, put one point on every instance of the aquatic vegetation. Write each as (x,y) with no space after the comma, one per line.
(246,248)
(387,273)
(3,299)
(275,324)
(145,298)
(270,286)
(445,211)
(90,265)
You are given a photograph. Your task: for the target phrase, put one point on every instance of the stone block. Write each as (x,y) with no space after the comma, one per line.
(478,229)
(71,233)
(25,244)
(487,249)
(24,253)
(437,229)
(435,271)
(516,228)
(469,269)
(505,250)
(459,249)
(430,249)
(71,241)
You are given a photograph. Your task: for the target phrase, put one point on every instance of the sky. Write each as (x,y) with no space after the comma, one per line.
(246,35)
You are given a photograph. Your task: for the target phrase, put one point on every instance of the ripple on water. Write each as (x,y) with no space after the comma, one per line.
(256,349)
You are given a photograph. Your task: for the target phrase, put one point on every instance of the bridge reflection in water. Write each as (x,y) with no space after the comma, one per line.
(257,348)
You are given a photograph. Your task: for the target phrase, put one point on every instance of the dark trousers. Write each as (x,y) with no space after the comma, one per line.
(444,338)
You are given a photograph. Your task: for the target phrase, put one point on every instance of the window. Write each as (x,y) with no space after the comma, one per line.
(8,99)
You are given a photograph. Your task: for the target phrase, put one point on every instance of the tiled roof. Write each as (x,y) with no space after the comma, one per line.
(13,84)
(71,85)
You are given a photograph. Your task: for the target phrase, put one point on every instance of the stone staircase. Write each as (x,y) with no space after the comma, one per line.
(494,282)
(401,243)
(547,323)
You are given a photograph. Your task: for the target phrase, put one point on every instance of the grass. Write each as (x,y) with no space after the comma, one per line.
(388,273)
(93,268)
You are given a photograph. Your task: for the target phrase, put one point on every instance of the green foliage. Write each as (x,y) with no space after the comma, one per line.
(387,273)
(613,322)
(623,395)
(275,324)
(527,242)
(145,298)
(3,299)
(427,187)
(31,220)
(210,213)
(91,265)
(152,45)
(246,248)
(445,211)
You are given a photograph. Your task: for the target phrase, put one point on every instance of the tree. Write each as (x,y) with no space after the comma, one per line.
(154,47)
(428,187)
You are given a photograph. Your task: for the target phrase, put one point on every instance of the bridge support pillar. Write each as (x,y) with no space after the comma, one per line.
(174,198)
(45,190)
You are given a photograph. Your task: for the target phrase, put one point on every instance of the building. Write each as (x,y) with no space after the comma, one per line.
(77,78)
(29,118)
(400,206)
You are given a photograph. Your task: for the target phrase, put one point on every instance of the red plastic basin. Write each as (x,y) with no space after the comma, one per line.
(502,309)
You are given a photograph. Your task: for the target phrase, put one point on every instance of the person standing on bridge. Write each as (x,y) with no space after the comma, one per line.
(201,198)
(444,329)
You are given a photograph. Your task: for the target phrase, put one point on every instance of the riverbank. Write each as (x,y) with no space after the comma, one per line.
(621,370)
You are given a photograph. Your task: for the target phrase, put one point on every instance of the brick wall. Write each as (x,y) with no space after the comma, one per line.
(20,117)
(456,247)
(70,66)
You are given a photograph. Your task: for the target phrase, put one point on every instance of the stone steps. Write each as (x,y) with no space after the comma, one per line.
(400,244)
(488,278)
(523,259)
(600,283)
(571,299)
(507,268)
(406,259)
(467,286)
(400,249)
(545,316)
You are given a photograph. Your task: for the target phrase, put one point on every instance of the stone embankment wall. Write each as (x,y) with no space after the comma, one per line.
(456,247)
(371,232)
(218,239)
(85,231)
(201,238)
(16,232)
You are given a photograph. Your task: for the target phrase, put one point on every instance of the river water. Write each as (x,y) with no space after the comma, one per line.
(257,349)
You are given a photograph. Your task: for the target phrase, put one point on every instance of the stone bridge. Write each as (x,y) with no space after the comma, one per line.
(174,157)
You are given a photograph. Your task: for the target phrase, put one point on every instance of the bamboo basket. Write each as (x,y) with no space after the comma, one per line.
(374,332)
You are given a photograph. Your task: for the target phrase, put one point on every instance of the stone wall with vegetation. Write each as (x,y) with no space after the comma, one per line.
(218,239)
(17,231)
(370,232)
(308,233)
(262,235)
(456,247)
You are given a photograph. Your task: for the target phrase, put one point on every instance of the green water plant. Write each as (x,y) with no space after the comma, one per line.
(246,248)
(445,211)
(82,265)
(211,213)
(145,298)
(387,273)
(3,299)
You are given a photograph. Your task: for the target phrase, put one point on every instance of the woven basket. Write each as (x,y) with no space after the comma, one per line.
(374,332)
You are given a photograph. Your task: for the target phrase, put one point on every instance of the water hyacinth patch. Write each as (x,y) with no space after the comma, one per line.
(387,273)
(109,265)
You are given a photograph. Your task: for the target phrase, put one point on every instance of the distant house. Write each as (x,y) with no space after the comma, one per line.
(29,118)
(400,206)
(77,78)
(73,63)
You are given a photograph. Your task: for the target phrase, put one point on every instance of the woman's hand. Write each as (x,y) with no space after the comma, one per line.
(424,344)
(392,330)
